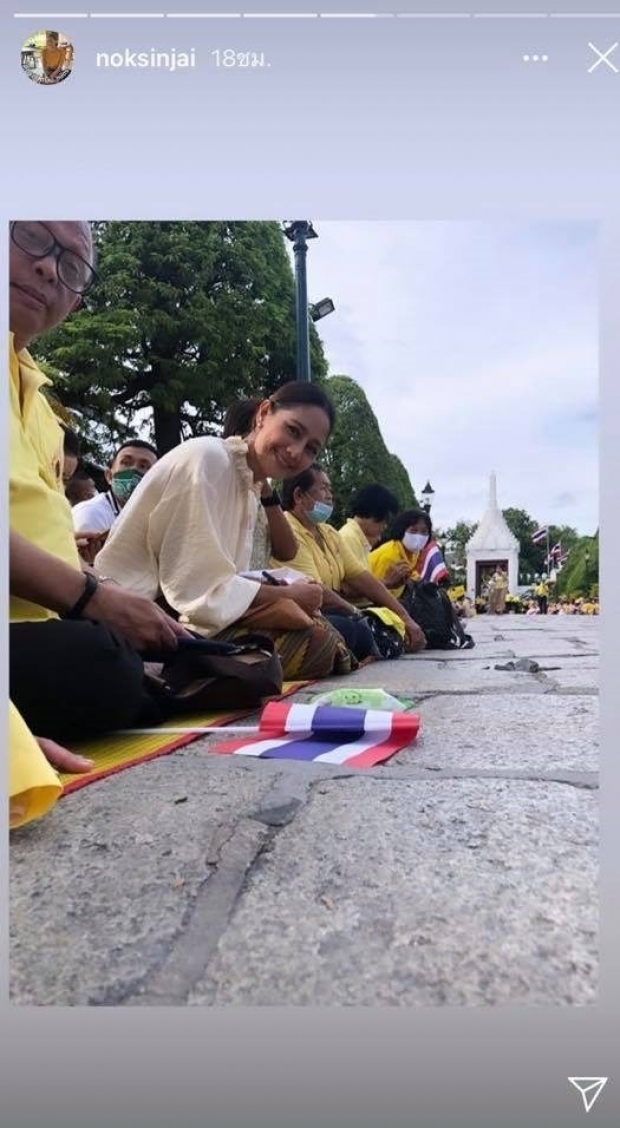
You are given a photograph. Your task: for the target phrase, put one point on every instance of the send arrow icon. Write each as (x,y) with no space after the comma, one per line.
(590,1089)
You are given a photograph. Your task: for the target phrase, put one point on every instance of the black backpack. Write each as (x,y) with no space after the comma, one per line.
(431,608)
(388,641)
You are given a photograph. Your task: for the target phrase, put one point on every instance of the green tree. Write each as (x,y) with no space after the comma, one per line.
(580,573)
(456,538)
(357,454)
(186,318)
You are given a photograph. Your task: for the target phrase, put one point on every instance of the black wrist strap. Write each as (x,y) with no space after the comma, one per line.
(90,587)
(273,499)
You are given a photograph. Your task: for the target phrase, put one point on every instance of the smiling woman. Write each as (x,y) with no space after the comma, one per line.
(186,534)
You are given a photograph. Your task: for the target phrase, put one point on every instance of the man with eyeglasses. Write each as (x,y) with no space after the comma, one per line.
(75,668)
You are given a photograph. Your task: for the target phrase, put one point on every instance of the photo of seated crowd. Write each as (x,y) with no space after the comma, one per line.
(115,568)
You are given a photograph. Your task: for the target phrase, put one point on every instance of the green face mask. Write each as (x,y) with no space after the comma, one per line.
(124,483)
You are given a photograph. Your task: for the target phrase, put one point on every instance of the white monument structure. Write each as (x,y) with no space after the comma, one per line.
(492,546)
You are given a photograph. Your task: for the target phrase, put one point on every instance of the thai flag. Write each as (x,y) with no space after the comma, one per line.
(540,535)
(432,567)
(358,738)
(563,558)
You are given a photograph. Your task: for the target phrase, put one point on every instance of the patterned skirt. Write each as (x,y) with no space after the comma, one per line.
(318,651)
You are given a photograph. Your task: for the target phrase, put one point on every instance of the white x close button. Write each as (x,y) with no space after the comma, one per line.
(603,57)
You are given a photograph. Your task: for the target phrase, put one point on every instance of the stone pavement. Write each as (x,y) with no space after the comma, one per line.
(464,871)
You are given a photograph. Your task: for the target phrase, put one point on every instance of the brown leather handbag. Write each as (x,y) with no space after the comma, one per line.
(204,674)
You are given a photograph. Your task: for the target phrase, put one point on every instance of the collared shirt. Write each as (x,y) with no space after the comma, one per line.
(352,535)
(186,533)
(38,508)
(97,514)
(393,552)
(330,562)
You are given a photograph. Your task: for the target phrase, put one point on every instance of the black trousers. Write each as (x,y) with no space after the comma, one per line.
(542,604)
(73,680)
(356,633)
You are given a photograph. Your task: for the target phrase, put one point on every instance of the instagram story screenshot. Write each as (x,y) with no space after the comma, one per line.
(345,853)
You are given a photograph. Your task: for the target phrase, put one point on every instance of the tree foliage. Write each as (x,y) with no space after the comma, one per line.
(533,557)
(456,538)
(580,573)
(186,317)
(357,454)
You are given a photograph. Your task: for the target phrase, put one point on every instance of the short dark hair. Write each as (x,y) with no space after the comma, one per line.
(303,481)
(405,519)
(374,501)
(71,443)
(139,443)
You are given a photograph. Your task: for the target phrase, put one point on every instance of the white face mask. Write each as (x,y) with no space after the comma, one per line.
(413,542)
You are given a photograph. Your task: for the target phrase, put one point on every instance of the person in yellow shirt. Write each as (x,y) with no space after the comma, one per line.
(34,785)
(372,509)
(326,558)
(404,555)
(74,664)
(541,591)
(53,56)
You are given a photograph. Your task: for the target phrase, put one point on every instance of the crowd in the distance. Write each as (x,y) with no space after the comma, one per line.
(166,550)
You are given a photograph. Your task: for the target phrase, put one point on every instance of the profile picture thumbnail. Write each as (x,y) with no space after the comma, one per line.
(47,57)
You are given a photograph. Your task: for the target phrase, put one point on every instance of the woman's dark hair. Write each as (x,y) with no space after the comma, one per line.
(404,520)
(303,481)
(301,393)
(374,501)
(239,418)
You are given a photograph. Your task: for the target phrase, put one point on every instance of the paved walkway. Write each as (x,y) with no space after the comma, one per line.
(464,871)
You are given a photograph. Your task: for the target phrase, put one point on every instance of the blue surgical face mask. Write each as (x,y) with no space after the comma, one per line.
(124,483)
(414,542)
(320,512)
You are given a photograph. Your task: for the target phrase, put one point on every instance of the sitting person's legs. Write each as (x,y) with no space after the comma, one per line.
(316,651)
(75,679)
(356,633)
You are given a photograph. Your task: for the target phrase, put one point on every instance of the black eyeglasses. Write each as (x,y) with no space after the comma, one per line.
(36,240)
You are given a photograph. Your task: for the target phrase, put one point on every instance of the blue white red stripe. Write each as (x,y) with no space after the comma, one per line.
(432,567)
(540,534)
(358,738)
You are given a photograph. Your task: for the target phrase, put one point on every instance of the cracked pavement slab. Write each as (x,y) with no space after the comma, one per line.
(463,871)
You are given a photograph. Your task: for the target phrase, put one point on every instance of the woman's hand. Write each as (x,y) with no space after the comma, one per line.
(308,595)
(414,636)
(397,574)
(89,544)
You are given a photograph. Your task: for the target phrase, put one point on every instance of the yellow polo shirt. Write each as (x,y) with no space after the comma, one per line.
(330,563)
(34,786)
(38,508)
(392,552)
(353,537)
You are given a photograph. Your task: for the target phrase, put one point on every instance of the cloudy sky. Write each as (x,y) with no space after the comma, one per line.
(476,345)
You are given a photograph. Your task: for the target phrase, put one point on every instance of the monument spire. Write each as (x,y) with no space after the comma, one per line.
(493,492)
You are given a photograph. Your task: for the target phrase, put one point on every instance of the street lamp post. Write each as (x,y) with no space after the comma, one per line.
(427,497)
(321,309)
(299,231)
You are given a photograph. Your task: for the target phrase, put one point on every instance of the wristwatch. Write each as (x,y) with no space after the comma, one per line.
(273,499)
